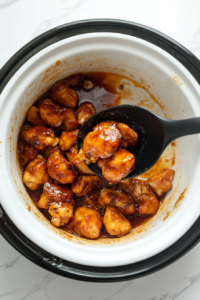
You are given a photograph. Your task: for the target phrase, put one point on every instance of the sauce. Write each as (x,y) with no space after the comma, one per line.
(104,94)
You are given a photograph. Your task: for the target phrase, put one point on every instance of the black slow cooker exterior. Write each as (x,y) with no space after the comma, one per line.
(41,257)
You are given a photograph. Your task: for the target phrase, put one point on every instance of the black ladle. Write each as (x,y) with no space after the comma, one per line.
(154,133)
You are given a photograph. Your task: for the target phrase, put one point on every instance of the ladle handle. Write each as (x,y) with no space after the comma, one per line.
(178,128)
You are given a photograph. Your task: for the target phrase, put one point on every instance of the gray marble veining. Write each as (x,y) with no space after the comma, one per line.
(6,3)
(67,7)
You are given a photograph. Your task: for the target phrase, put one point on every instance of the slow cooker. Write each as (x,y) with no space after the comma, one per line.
(173,74)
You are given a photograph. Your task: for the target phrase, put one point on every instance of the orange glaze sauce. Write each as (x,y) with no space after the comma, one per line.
(104,94)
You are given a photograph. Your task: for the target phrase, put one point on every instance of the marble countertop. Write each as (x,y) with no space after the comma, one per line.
(20,22)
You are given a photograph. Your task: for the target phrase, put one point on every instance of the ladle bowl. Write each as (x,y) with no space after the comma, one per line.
(154,134)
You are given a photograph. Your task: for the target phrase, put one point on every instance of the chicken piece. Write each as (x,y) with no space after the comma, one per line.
(52,114)
(118,166)
(88,85)
(63,94)
(35,173)
(144,196)
(85,111)
(68,140)
(129,136)
(26,152)
(33,116)
(84,185)
(48,152)
(92,202)
(111,197)
(80,157)
(70,123)
(73,80)
(115,223)
(81,167)
(55,115)
(55,193)
(60,169)
(87,222)
(40,137)
(161,181)
(125,185)
(102,142)
(61,213)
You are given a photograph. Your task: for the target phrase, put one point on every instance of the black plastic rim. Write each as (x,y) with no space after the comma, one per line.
(41,257)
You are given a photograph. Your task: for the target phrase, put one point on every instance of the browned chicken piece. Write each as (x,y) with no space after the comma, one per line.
(52,114)
(111,197)
(80,157)
(60,169)
(84,185)
(40,137)
(57,116)
(125,185)
(70,123)
(102,142)
(26,152)
(87,222)
(115,223)
(161,181)
(73,80)
(85,111)
(68,140)
(55,193)
(118,166)
(129,136)
(61,213)
(33,116)
(88,85)
(50,150)
(36,173)
(144,196)
(81,167)
(92,202)
(63,94)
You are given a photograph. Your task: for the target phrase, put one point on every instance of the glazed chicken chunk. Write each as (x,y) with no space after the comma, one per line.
(55,115)
(60,169)
(51,114)
(40,137)
(92,202)
(85,111)
(81,167)
(36,173)
(26,152)
(88,85)
(55,193)
(73,80)
(63,94)
(111,197)
(61,213)
(84,185)
(118,166)
(129,136)
(144,196)
(125,185)
(115,223)
(87,222)
(70,122)
(161,182)
(33,116)
(68,140)
(102,142)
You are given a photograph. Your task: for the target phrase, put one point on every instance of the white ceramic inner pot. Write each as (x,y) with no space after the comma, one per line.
(178,97)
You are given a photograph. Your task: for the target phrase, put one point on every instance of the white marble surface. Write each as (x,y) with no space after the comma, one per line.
(21,21)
